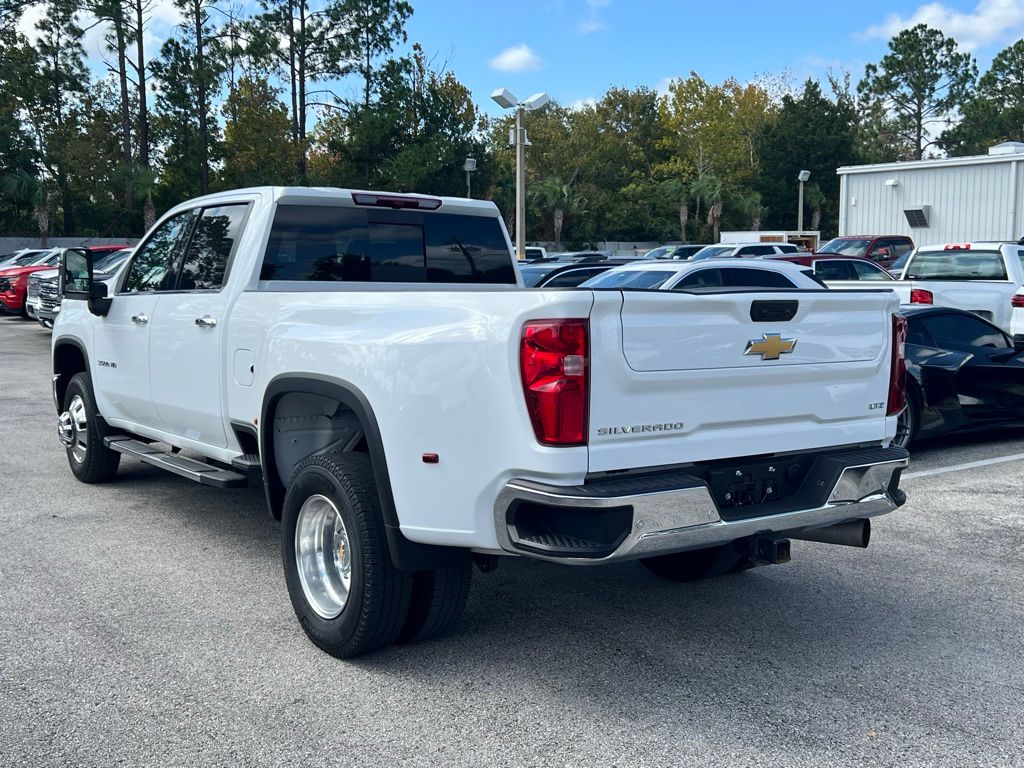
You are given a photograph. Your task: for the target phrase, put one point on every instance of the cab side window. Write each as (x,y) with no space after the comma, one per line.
(153,266)
(757,250)
(210,247)
(867,271)
(833,269)
(702,278)
(901,247)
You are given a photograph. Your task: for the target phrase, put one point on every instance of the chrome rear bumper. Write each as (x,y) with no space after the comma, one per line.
(662,520)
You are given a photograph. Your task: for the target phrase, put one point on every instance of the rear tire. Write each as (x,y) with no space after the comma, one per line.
(91,461)
(347,594)
(695,564)
(908,424)
(438,601)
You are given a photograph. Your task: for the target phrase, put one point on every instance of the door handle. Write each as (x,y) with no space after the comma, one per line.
(206,321)
(140,319)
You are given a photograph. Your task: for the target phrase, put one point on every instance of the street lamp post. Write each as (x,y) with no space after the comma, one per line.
(506,100)
(469,167)
(803,176)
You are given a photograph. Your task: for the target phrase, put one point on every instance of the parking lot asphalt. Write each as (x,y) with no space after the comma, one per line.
(145,622)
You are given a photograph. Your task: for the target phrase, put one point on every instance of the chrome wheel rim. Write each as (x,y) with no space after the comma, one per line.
(73,429)
(904,427)
(323,556)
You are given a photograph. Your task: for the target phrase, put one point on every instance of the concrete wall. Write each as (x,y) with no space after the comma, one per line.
(967,200)
(8,244)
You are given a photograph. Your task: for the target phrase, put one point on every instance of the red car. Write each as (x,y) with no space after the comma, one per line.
(881,249)
(14,280)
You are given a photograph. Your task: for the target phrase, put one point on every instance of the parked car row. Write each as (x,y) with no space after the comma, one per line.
(43,297)
(973,294)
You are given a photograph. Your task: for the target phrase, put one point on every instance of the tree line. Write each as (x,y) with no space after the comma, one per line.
(334,94)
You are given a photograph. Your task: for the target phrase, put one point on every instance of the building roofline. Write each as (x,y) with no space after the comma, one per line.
(942,162)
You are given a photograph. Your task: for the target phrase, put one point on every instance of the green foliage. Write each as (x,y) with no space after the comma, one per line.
(329,93)
(415,136)
(996,111)
(812,133)
(919,84)
(257,144)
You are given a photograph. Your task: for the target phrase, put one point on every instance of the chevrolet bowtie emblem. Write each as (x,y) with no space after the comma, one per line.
(770,346)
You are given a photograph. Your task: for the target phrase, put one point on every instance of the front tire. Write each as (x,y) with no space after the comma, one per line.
(347,594)
(78,428)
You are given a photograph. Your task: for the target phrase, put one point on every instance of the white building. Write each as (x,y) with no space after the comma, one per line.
(955,199)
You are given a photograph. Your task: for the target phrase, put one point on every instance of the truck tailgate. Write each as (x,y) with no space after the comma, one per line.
(679,378)
(989,299)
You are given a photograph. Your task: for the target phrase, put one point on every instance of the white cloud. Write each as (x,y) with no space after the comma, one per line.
(592,22)
(31,15)
(579,104)
(989,22)
(662,85)
(518,58)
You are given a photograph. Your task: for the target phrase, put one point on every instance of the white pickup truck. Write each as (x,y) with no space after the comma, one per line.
(977,277)
(411,409)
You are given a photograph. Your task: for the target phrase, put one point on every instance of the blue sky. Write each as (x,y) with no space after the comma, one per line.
(577,49)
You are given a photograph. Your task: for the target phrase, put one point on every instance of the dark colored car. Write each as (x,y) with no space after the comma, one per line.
(673,252)
(562,275)
(842,268)
(963,373)
(881,249)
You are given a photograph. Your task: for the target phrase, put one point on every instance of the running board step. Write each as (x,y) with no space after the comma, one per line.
(205,474)
(248,463)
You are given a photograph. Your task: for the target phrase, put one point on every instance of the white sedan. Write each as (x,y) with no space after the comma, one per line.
(710,273)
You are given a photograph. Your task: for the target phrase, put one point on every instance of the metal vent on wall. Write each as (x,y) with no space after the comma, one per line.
(917,217)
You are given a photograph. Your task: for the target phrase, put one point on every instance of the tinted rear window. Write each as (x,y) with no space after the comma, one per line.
(957,265)
(327,243)
(754,278)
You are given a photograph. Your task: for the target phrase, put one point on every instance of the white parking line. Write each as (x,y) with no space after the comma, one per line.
(968,465)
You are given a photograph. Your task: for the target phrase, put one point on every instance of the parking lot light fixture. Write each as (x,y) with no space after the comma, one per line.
(469,166)
(803,176)
(505,99)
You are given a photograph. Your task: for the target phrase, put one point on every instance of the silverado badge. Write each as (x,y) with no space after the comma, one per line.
(770,346)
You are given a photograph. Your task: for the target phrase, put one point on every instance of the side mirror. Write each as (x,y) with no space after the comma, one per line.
(75,273)
(76,281)
(1018,342)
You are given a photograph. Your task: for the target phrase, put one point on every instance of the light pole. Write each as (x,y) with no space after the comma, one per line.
(506,100)
(802,176)
(469,167)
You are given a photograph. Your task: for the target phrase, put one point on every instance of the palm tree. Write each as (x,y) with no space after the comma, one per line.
(144,185)
(678,191)
(815,198)
(710,189)
(25,189)
(557,200)
(752,206)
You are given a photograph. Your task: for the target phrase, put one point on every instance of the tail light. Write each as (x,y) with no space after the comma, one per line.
(921,296)
(1017,301)
(898,369)
(554,363)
